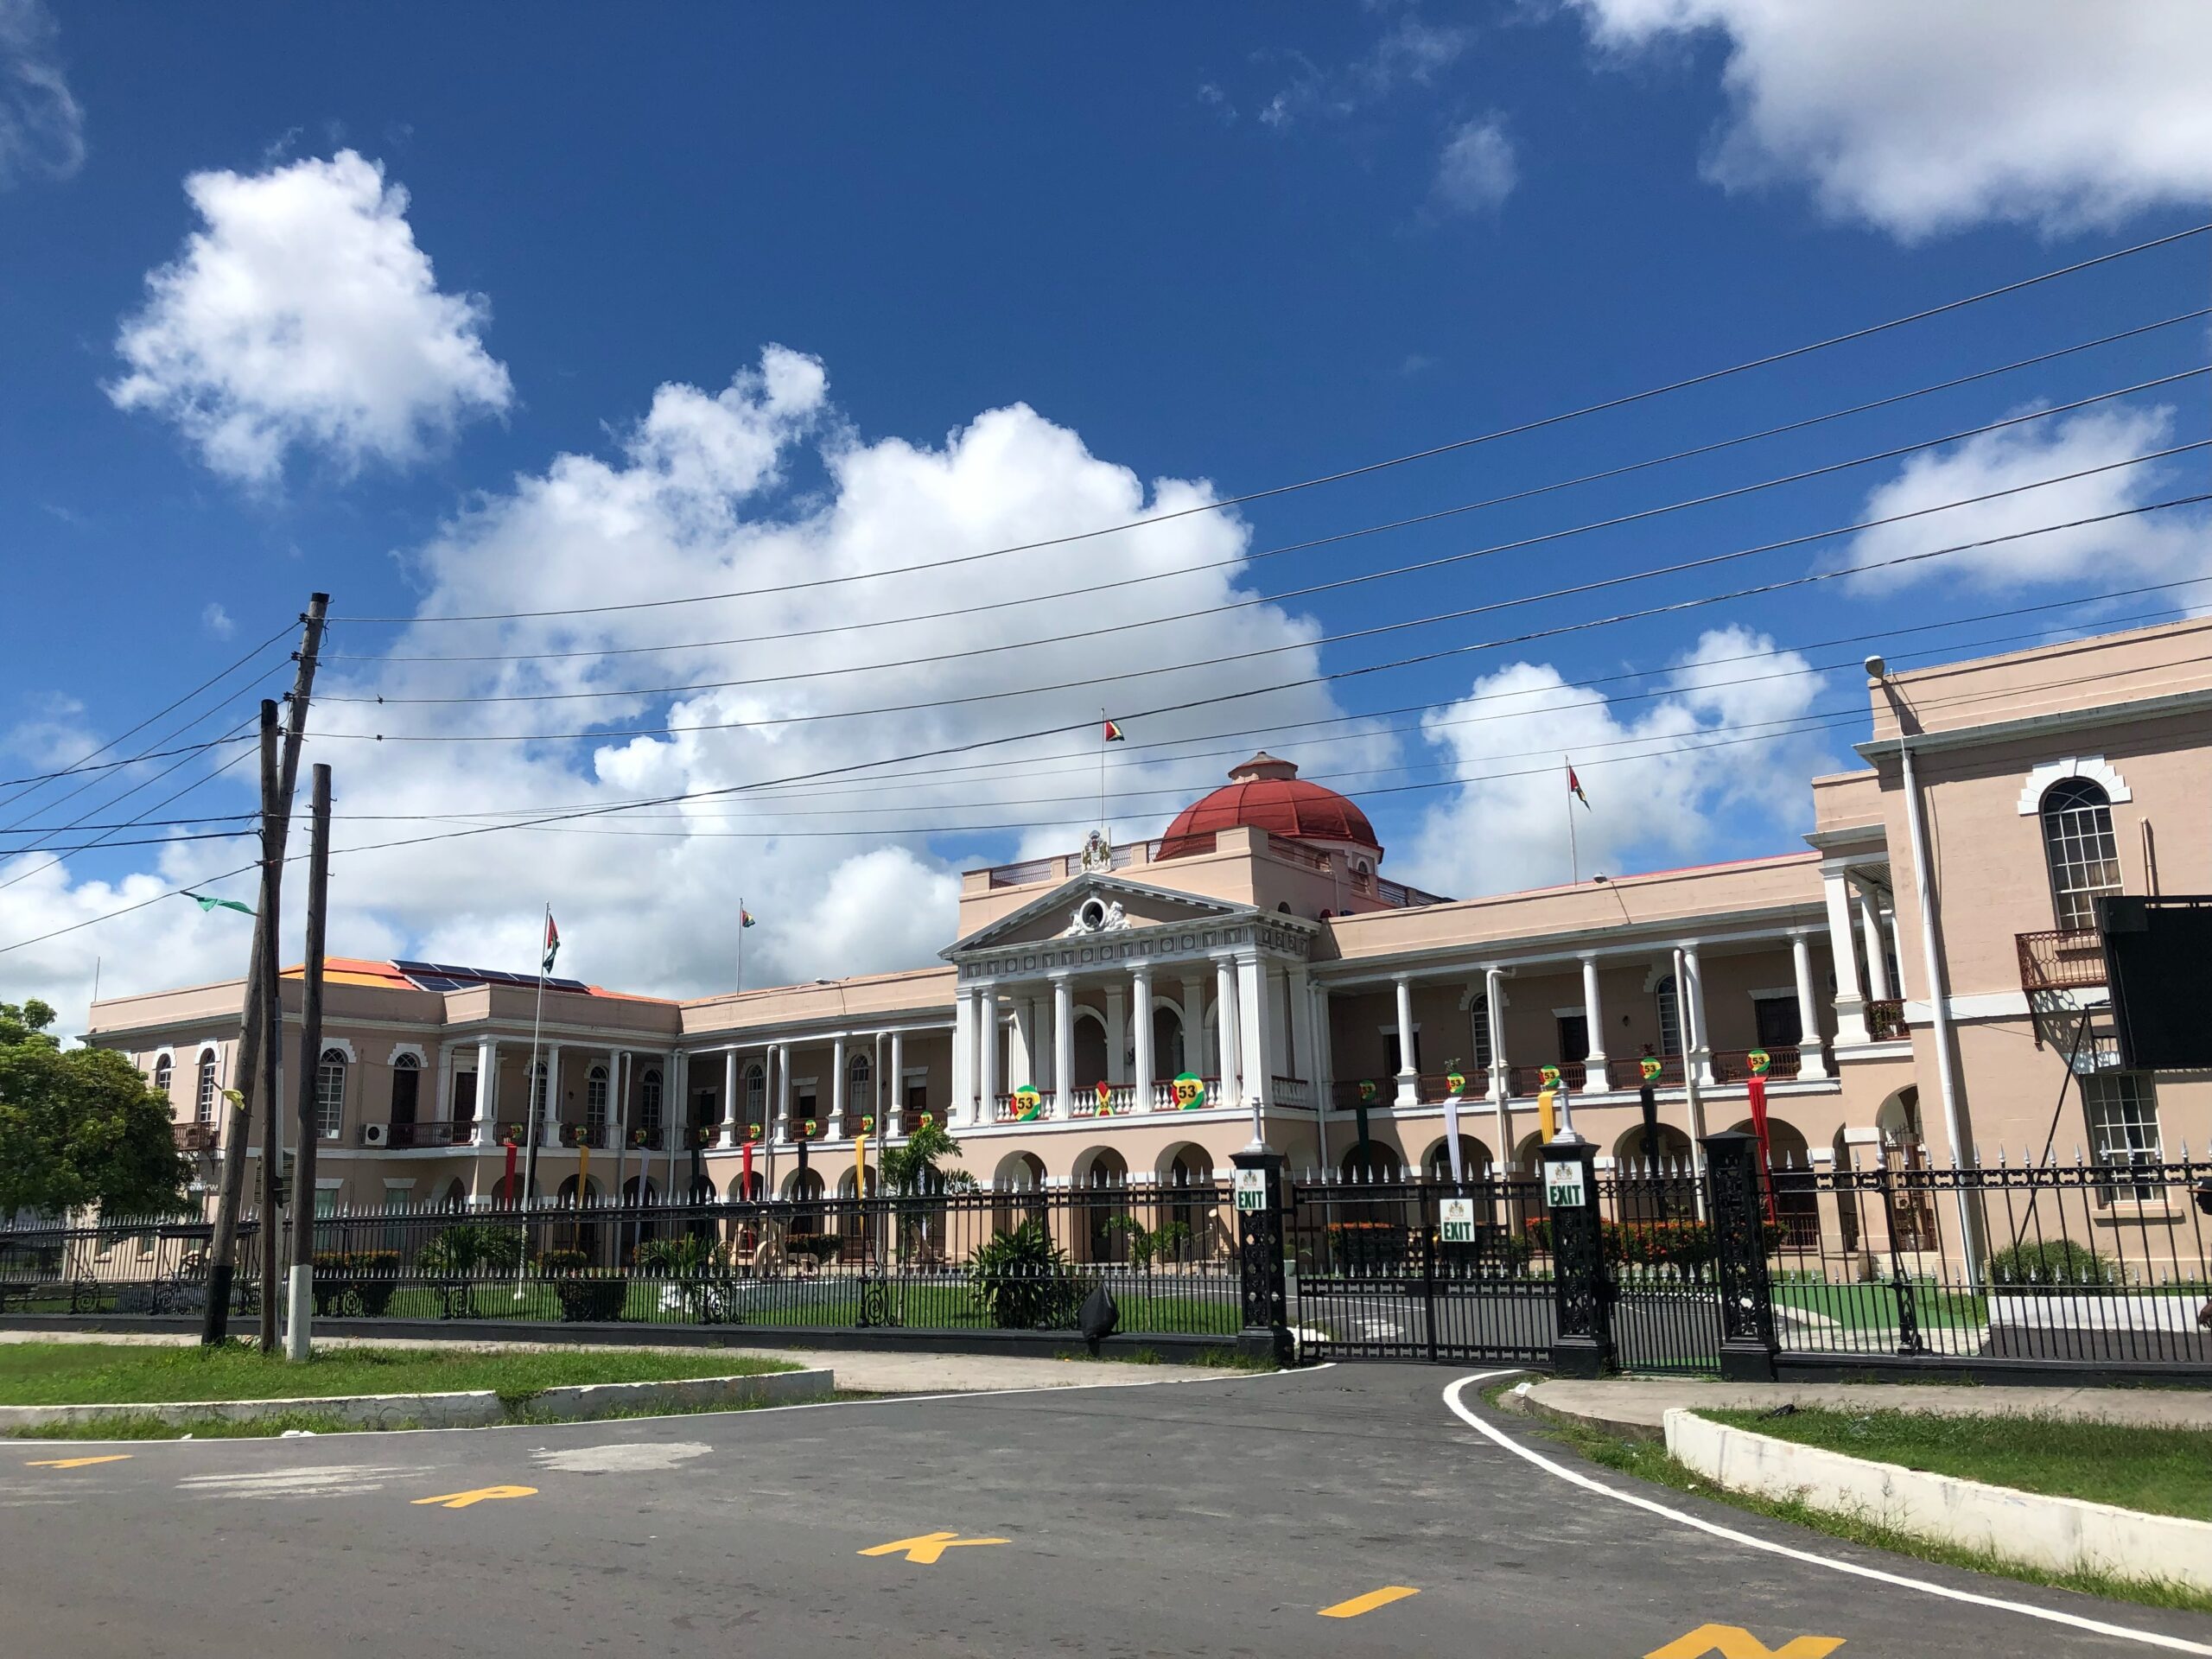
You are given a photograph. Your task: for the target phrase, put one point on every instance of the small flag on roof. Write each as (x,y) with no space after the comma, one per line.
(552,944)
(1114,734)
(744,917)
(1575,784)
(206,903)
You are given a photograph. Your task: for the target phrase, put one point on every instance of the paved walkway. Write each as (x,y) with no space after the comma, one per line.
(1636,1407)
(857,1373)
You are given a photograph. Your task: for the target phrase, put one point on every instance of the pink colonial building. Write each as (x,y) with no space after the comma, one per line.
(1919,974)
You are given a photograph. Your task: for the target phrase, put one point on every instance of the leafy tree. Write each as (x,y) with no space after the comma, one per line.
(913,1168)
(79,1127)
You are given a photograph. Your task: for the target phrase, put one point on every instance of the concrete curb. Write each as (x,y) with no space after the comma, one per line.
(2058,1534)
(477,1408)
(1524,1401)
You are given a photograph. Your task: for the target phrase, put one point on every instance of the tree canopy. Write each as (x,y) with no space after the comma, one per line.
(79,1127)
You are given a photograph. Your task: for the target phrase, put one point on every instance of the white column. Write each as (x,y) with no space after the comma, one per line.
(1408,1073)
(1501,1093)
(1811,1062)
(896,1102)
(1878,959)
(729,1098)
(444,1107)
(1593,1017)
(1021,1043)
(1117,1035)
(548,1133)
(1195,1060)
(837,1084)
(963,1058)
(783,1129)
(1063,1042)
(1040,1036)
(488,1092)
(1254,1039)
(1229,1060)
(1298,1002)
(1850,991)
(1141,1065)
(1698,1039)
(1279,1025)
(987,1053)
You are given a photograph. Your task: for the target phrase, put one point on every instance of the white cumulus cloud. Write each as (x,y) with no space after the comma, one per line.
(303,316)
(758,485)
(41,125)
(2169,542)
(1661,774)
(1921,119)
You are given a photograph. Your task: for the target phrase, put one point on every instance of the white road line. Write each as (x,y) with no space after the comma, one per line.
(2150,1638)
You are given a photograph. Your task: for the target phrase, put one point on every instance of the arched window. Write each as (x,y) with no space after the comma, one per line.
(161,1076)
(1479,1013)
(537,1089)
(860,1087)
(2077,841)
(1670,1016)
(756,1093)
(203,1099)
(595,1105)
(406,1087)
(649,1101)
(330,1093)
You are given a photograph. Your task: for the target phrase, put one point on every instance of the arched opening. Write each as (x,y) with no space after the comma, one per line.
(1018,1179)
(1103,1174)
(1188,1224)
(457,1195)
(1670,1016)
(1672,1156)
(583,1233)
(1088,1042)
(1168,1058)
(756,1096)
(1019,1171)
(406,1087)
(1376,1161)
(330,1093)
(746,1189)
(1474,1161)
(860,1092)
(1911,1209)
(161,1070)
(649,1104)
(1661,1188)
(1790,1178)
(2080,849)
(595,1096)
(203,1098)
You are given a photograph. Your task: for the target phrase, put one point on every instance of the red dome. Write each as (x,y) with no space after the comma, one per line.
(1265,793)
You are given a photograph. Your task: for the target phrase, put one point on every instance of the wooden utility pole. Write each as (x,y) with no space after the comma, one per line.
(256,1033)
(299,1290)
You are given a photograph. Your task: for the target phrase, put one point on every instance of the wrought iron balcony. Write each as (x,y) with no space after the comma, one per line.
(1885,1021)
(2062,959)
(197,1137)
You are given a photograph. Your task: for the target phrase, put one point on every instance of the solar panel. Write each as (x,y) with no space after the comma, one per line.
(406,967)
(452,976)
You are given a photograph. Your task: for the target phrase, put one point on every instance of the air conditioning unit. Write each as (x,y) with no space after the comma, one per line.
(375,1135)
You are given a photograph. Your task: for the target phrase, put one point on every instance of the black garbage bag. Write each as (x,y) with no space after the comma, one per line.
(1099,1315)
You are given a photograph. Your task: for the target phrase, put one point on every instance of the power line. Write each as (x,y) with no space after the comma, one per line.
(1210,611)
(1540,423)
(1462,614)
(1253,556)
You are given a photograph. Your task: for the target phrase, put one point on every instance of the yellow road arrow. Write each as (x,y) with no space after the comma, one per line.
(78,1462)
(926,1548)
(1733,1641)
(481,1494)
(1370,1602)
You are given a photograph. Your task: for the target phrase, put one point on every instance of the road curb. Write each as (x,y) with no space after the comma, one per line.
(473,1409)
(2058,1534)
(1527,1405)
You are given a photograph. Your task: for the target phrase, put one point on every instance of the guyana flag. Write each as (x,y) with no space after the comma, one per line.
(1114,734)
(552,944)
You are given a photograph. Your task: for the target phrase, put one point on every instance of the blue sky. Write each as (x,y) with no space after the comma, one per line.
(1240,245)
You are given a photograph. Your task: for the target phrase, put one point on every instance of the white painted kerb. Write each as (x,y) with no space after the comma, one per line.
(2059,1534)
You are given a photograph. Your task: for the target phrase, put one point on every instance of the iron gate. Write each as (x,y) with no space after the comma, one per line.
(1376,1273)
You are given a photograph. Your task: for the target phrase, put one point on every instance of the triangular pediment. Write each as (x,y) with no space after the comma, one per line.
(1096,904)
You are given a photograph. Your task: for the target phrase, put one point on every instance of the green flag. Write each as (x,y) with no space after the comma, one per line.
(207,904)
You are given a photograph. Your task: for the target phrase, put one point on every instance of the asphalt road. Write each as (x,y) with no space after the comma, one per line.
(1215,1517)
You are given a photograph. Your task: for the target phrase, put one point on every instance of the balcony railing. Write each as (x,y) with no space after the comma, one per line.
(1628,1074)
(1784,1061)
(1885,1021)
(1529,1079)
(2061,959)
(1292,1092)
(428,1132)
(197,1137)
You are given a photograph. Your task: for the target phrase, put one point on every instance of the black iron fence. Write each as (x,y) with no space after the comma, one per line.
(2107,1263)
(1008,1259)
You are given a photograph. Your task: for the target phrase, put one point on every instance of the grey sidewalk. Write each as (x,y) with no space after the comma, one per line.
(859,1373)
(1634,1408)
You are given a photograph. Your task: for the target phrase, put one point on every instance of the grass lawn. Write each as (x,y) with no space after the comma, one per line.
(2161,1471)
(60,1374)
(1874,1308)
(1648,1460)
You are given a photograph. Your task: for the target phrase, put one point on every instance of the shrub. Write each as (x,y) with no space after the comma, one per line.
(591,1299)
(470,1247)
(357,1282)
(2052,1261)
(689,1257)
(554,1263)
(1021,1280)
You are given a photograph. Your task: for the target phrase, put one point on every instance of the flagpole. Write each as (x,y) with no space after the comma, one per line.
(529,1090)
(740,941)
(1573,852)
(1101,773)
